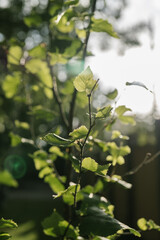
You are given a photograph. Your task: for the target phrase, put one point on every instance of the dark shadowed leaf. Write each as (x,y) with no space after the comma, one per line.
(55,226)
(56,140)
(97,222)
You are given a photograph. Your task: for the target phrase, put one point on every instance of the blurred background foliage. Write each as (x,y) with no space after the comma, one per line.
(30,25)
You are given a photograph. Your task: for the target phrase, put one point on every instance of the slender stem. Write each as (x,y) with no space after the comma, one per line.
(91,125)
(146,161)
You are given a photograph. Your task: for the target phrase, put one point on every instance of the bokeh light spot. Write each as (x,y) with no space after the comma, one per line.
(16,165)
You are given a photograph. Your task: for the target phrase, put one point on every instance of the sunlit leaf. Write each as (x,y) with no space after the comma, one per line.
(117,134)
(54,183)
(57,58)
(68,194)
(14,55)
(56,150)
(112,95)
(4,236)
(66,23)
(15,139)
(118,180)
(104,112)
(23,125)
(7,179)
(71,2)
(40,159)
(81,33)
(90,164)
(11,84)
(38,51)
(7,223)
(84,82)
(78,133)
(139,84)
(40,68)
(45,171)
(101,25)
(120,110)
(56,140)
(127,120)
(144,225)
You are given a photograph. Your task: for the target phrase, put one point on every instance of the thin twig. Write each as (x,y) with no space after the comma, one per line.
(146,161)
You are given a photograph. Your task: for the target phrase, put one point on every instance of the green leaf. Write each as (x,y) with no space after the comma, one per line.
(40,159)
(121,110)
(68,194)
(15,139)
(11,84)
(56,58)
(97,222)
(55,226)
(144,225)
(4,236)
(84,82)
(71,2)
(56,140)
(56,150)
(90,164)
(124,150)
(33,20)
(104,112)
(40,68)
(72,50)
(69,190)
(7,179)
(38,51)
(140,84)
(23,125)
(112,95)
(75,163)
(7,223)
(100,25)
(92,200)
(39,112)
(118,180)
(79,133)
(117,134)
(54,183)
(45,171)
(14,55)
(127,120)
